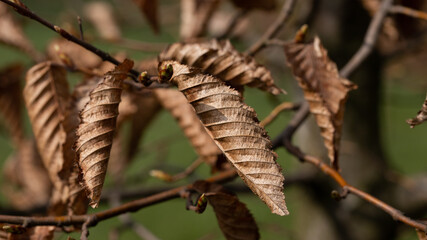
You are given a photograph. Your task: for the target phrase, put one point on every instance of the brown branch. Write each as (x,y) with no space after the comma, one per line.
(369,40)
(397,9)
(24,11)
(278,109)
(274,29)
(92,219)
(285,141)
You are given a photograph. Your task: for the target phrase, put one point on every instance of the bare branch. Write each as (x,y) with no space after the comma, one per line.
(93,219)
(274,29)
(397,9)
(369,40)
(273,114)
(24,11)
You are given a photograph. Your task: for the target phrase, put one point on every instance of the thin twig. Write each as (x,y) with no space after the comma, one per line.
(93,219)
(397,9)
(278,109)
(274,29)
(369,40)
(79,20)
(233,23)
(24,11)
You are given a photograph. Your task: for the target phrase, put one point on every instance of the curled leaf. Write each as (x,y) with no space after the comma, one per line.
(176,103)
(34,233)
(101,15)
(324,90)
(96,130)
(11,33)
(234,127)
(11,100)
(195,16)
(223,61)
(234,218)
(421,116)
(149,9)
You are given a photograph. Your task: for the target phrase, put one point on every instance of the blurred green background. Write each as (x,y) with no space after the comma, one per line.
(405,147)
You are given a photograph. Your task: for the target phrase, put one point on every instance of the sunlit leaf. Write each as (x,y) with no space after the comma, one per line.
(235,129)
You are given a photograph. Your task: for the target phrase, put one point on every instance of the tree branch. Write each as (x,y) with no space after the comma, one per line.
(90,220)
(396,9)
(24,11)
(369,40)
(284,139)
(274,29)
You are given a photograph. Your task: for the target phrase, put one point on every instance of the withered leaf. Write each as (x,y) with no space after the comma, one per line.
(96,130)
(26,182)
(101,15)
(255,4)
(195,16)
(79,57)
(11,100)
(234,218)
(149,9)
(223,61)
(235,129)
(325,91)
(34,233)
(11,33)
(47,99)
(421,116)
(176,103)
(421,235)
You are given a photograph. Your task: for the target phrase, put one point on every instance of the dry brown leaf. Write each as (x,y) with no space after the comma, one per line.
(223,61)
(149,9)
(255,4)
(96,130)
(54,119)
(176,103)
(11,100)
(421,235)
(47,99)
(235,129)
(11,33)
(195,16)
(101,15)
(26,183)
(421,116)
(234,218)
(34,233)
(324,90)
(79,57)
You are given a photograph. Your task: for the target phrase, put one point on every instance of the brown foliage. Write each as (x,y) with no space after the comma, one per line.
(324,89)
(11,100)
(149,9)
(234,218)
(11,33)
(101,15)
(223,61)
(195,15)
(26,183)
(96,130)
(421,116)
(176,103)
(235,129)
